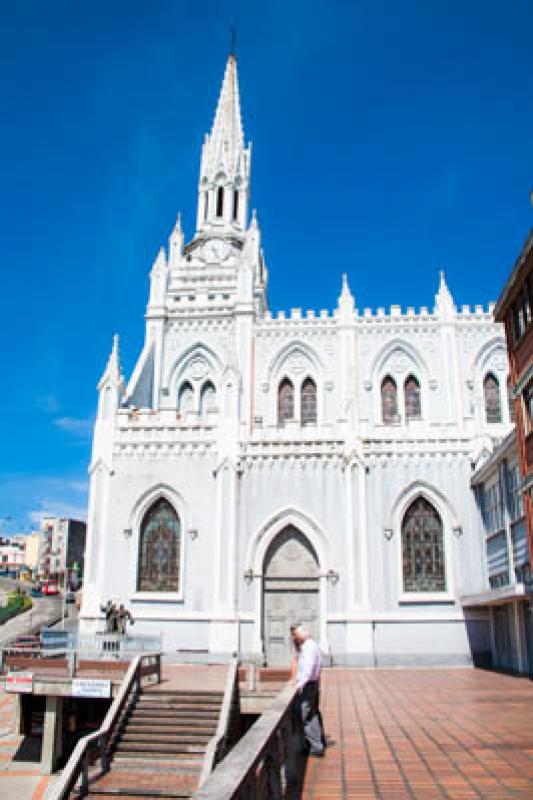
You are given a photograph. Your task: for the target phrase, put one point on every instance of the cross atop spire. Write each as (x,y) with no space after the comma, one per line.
(225,165)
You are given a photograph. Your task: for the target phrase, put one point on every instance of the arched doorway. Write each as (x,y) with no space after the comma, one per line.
(290,592)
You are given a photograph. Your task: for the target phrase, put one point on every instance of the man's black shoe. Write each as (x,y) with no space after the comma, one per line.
(316,753)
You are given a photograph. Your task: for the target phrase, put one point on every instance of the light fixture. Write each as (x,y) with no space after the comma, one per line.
(128,533)
(332,575)
(248,575)
(388,533)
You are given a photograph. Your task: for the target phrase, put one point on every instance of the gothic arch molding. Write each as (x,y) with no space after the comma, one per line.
(265,535)
(494,347)
(296,347)
(379,361)
(200,351)
(424,489)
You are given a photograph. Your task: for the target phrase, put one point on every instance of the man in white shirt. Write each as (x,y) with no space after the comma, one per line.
(307,682)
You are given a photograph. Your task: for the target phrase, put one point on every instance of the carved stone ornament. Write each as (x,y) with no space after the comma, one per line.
(297,363)
(197,368)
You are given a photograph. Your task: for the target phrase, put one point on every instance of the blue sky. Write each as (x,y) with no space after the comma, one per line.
(389,140)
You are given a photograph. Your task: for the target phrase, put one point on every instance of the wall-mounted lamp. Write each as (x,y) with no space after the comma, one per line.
(128,533)
(458,531)
(248,575)
(332,575)
(388,533)
(193,533)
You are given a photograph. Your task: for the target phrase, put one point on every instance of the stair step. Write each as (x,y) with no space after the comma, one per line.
(192,725)
(140,727)
(195,697)
(163,716)
(182,693)
(177,706)
(168,738)
(133,792)
(156,747)
(122,759)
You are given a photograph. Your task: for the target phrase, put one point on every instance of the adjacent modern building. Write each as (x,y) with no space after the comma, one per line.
(497,484)
(62,549)
(259,469)
(515,310)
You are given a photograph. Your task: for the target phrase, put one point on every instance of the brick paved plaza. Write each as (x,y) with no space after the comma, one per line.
(424,734)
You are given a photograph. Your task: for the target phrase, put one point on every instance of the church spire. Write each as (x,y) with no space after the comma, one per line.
(225,165)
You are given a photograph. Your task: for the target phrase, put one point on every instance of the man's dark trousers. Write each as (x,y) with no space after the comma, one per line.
(307,706)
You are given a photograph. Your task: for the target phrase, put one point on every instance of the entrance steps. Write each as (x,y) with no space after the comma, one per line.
(159,749)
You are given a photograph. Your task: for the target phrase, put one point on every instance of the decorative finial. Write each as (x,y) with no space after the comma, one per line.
(233,51)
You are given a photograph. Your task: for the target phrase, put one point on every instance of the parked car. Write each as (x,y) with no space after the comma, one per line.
(50,588)
(36,591)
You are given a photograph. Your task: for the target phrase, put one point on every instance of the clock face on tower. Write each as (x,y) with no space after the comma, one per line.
(215,250)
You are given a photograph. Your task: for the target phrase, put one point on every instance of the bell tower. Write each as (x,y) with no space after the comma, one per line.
(224,185)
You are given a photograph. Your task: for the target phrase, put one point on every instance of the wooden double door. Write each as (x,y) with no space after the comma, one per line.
(290,593)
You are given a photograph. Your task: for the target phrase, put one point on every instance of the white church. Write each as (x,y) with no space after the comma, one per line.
(259,470)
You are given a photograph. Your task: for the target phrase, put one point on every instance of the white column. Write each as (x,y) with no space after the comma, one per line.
(349,535)
(364,567)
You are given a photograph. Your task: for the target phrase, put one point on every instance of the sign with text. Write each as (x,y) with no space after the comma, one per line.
(20,682)
(91,687)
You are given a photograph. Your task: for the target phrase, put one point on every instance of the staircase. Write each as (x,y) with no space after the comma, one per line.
(159,748)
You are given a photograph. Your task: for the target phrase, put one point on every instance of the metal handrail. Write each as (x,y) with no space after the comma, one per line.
(233,777)
(219,744)
(78,763)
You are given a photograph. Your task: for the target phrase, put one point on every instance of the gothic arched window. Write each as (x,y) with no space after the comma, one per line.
(220,201)
(186,398)
(389,400)
(160,549)
(423,548)
(413,403)
(285,401)
(491,392)
(308,401)
(208,399)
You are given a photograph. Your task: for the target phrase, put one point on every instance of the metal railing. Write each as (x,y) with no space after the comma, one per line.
(266,762)
(143,666)
(227,731)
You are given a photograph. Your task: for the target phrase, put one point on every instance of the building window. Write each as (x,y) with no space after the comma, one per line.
(423,548)
(186,398)
(527,396)
(160,549)
(491,392)
(206,205)
(308,405)
(285,401)
(413,405)
(208,399)
(389,401)
(235,205)
(220,201)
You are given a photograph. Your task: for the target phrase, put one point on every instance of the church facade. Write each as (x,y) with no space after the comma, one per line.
(259,470)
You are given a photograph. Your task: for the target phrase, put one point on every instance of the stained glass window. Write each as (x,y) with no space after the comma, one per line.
(423,549)
(160,549)
(413,405)
(389,400)
(491,391)
(186,398)
(308,401)
(285,400)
